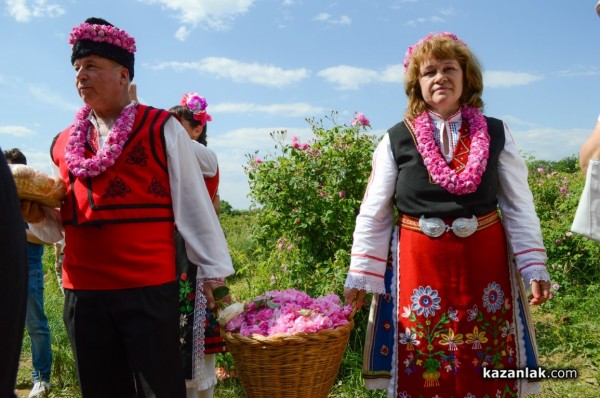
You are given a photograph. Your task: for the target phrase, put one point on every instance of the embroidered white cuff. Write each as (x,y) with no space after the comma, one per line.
(369,283)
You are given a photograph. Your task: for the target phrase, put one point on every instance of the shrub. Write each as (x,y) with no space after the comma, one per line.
(309,195)
(556,187)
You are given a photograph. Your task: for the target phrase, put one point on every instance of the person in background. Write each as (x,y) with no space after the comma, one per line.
(459,306)
(126,167)
(13,281)
(191,112)
(200,378)
(36,321)
(590,150)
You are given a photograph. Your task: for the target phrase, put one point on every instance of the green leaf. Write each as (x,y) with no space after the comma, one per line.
(220,292)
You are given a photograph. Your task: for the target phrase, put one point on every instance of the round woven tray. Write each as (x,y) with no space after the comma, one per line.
(37,186)
(302,365)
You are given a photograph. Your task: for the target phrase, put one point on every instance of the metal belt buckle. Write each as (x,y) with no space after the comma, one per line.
(464,227)
(435,227)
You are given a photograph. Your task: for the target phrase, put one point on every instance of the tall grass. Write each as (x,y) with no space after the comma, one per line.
(568,334)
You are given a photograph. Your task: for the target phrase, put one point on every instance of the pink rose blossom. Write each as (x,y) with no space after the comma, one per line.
(360,119)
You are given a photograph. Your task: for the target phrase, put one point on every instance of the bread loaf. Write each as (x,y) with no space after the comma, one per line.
(37,186)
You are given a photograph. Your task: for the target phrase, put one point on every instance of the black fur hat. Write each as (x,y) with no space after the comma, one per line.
(83,48)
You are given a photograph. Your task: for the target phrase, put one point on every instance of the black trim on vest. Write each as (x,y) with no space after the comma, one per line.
(156,132)
(416,193)
(161,136)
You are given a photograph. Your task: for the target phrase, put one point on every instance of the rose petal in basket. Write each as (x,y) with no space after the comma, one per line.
(37,186)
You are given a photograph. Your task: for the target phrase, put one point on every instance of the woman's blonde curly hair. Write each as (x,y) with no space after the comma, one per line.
(442,47)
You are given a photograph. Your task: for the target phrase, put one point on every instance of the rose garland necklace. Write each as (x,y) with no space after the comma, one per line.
(456,183)
(106,156)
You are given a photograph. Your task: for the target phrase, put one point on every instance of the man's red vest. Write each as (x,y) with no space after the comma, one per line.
(119,225)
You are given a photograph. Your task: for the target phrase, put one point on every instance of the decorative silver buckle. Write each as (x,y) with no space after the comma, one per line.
(435,227)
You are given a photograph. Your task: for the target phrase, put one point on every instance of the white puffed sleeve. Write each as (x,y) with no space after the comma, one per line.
(374,223)
(520,220)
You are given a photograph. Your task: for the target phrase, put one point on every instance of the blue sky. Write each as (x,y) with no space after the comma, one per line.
(266,65)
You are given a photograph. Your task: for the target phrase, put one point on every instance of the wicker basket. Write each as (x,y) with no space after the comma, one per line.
(302,365)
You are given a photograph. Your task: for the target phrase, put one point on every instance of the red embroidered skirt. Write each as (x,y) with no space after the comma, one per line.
(455,315)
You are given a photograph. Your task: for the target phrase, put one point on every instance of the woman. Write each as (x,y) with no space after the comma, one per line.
(193,116)
(198,345)
(457,304)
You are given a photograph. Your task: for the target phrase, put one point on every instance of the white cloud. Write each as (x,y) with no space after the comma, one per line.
(266,75)
(397,4)
(515,121)
(48,97)
(579,70)
(448,12)
(322,17)
(39,160)
(325,17)
(541,142)
(287,110)
(17,131)
(25,10)
(421,20)
(498,79)
(347,77)
(393,74)
(182,33)
(213,14)
(232,148)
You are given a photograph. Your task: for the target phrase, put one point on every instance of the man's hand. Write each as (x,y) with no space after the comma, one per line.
(32,212)
(209,288)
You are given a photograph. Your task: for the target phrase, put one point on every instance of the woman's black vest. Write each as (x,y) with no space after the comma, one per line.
(417,194)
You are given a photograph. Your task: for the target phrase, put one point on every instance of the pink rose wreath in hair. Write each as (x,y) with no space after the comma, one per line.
(197,105)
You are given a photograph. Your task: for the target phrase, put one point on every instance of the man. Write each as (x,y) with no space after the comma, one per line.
(36,321)
(127,169)
(13,280)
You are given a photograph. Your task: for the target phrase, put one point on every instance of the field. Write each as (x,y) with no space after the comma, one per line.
(568,337)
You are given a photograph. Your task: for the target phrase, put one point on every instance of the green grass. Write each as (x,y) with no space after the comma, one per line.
(568,335)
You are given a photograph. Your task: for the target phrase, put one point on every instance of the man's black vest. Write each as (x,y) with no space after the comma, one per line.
(417,194)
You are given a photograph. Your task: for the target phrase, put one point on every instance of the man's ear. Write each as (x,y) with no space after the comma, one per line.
(124,72)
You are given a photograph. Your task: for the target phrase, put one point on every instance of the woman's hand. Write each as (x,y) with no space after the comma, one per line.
(540,292)
(354,297)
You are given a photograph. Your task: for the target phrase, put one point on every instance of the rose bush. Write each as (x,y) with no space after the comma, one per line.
(308,195)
